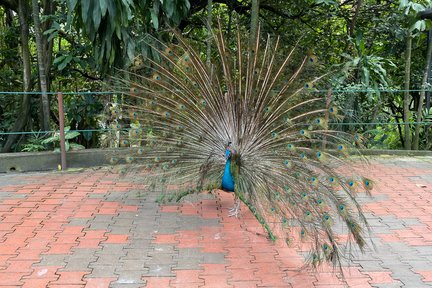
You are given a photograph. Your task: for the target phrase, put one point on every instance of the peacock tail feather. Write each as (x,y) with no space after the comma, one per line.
(178,114)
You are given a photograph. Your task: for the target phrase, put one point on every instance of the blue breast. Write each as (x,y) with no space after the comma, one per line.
(227,178)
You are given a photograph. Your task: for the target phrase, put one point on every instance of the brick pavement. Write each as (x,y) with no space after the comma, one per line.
(92,228)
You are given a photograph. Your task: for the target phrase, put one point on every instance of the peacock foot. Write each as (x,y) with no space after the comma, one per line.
(234,211)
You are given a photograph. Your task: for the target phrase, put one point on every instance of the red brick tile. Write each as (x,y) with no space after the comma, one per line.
(116,239)
(165,238)
(301,279)
(426,274)
(53,226)
(48,235)
(168,209)
(13,218)
(417,242)
(8,226)
(65,286)
(235,263)
(89,243)
(245,274)
(186,285)
(62,238)
(358,282)
(269,268)
(264,257)
(29,254)
(23,266)
(109,211)
(35,223)
(216,281)
(187,276)
(21,210)
(88,207)
(380,277)
(38,215)
(129,208)
(213,269)
(83,214)
(70,277)
(95,234)
(9,249)
(99,282)
(37,283)
(207,247)
(8,278)
(44,272)
(406,233)
(157,282)
(272,279)
(73,230)
(60,248)
(244,284)
(389,237)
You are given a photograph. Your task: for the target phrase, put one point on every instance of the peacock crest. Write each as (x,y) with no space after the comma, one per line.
(180,116)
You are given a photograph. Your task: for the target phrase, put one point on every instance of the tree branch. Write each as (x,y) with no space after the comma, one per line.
(87,75)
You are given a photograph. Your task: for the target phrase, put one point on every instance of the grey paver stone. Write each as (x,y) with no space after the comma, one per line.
(52,260)
(156,270)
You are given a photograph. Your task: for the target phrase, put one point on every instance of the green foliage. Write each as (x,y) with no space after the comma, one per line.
(82,112)
(109,24)
(69,135)
(385,137)
(91,38)
(34,143)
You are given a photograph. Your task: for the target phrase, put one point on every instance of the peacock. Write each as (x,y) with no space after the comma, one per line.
(251,122)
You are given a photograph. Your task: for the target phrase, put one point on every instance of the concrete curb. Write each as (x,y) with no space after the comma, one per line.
(43,161)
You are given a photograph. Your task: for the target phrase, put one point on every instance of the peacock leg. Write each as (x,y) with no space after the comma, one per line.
(236,209)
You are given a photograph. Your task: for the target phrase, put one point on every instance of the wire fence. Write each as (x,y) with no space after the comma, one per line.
(379,134)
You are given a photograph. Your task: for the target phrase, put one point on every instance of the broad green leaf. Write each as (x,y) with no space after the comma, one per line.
(59,59)
(85,10)
(131,50)
(55,138)
(187,4)
(76,146)
(103,6)
(96,16)
(71,135)
(65,62)
(52,36)
(169,7)
(155,20)
(419,25)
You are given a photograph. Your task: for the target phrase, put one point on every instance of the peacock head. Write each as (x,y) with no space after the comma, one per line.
(228,151)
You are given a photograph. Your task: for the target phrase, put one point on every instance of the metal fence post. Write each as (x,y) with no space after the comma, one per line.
(62,131)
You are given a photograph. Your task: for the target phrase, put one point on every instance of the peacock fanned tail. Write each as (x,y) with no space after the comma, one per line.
(177,115)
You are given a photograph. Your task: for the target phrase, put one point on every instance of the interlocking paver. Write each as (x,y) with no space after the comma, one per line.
(94,228)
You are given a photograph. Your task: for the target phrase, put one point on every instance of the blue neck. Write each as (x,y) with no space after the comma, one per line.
(228,167)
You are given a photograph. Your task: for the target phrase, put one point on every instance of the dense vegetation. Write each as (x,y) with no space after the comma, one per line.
(76,45)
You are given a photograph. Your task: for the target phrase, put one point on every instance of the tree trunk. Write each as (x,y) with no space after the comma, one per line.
(419,117)
(23,115)
(254,24)
(354,19)
(48,7)
(209,32)
(407,131)
(427,127)
(229,26)
(41,65)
